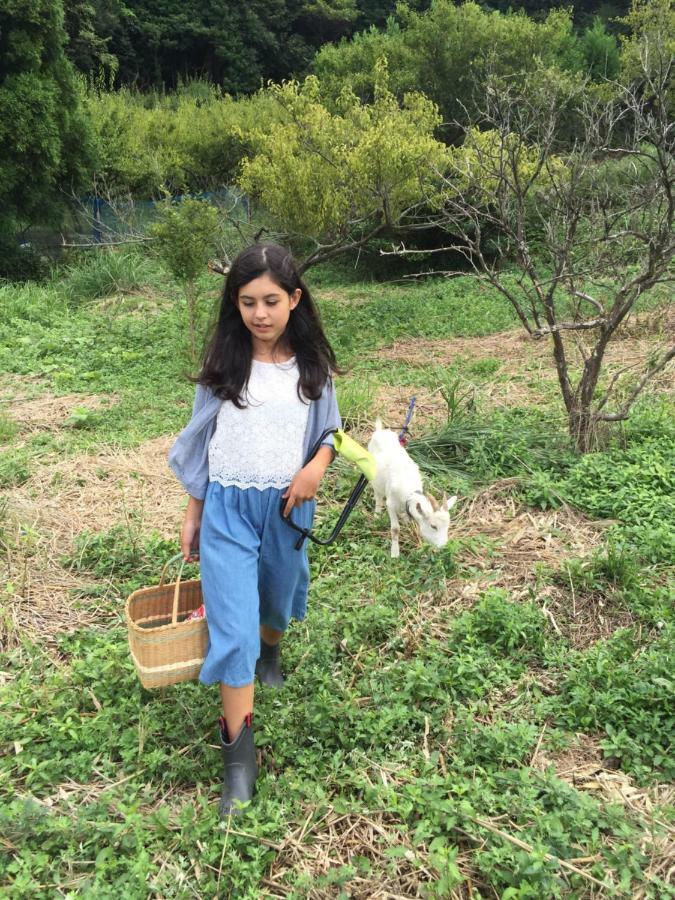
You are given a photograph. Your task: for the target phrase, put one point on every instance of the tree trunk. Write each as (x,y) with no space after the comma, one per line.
(190,295)
(582,427)
(582,420)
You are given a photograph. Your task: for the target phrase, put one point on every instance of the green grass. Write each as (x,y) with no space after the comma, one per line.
(407,704)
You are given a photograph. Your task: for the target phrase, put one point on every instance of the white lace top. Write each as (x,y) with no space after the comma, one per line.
(261,446)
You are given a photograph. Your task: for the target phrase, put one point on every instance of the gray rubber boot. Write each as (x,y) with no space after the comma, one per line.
(268,666)
(240,768)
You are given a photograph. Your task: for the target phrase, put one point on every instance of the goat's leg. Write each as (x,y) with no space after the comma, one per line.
(393,518)
(379,500)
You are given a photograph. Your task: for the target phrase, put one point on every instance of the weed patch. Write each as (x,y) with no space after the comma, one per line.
(626,691)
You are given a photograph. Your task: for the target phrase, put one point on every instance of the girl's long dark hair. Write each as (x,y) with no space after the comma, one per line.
(227,356)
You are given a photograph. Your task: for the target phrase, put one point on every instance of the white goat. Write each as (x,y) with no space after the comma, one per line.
(398,483)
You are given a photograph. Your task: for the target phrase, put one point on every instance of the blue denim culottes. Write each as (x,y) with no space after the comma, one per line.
(251,575)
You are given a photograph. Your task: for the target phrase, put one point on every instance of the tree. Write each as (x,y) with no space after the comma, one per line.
(590,230)
(185,236)
(447,53)
(337,180)
(90,25)
(235,45)
(44,143)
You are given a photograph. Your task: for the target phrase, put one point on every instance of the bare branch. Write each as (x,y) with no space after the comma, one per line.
(570,326)
(610,387)
(596,303)
(653,370)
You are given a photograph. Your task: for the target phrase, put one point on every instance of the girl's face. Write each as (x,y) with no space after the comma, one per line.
(265,309)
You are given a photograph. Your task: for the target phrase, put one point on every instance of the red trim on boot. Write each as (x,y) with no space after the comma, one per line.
(248,721)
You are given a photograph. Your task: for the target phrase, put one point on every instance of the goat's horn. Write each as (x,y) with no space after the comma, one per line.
(434,503)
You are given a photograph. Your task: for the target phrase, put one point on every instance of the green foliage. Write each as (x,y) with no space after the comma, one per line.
(90,25)
(628,692)
(514,442)
(635,484)
(14,469)
(601,51)
(615,565)
(105,272)
(123,554)
(184,236)
(647,50)
(8,428)
(448,52)
(43,135)
(236,46)
(192,139)
(19,263)
(506,628)
(335,175)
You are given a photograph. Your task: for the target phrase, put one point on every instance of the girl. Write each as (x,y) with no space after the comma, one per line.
(264,396)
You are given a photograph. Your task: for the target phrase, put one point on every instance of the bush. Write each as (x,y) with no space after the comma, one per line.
(189,141)
(448,52)
(502,626)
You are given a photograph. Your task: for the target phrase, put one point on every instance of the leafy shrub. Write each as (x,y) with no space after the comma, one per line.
(653,543)
(492,746)
(184,237)
(615,565)
(187,141)
(541,491)
(505,627)
(600,50)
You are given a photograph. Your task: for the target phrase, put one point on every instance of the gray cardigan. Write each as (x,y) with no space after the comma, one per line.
(189,455)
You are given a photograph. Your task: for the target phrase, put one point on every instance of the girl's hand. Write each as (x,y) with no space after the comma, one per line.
(306,482)
(189,536)
(303,487)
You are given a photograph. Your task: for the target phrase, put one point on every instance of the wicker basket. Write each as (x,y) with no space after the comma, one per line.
(165,648)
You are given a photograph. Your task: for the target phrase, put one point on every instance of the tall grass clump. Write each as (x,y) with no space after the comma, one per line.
(41,304)
(512,443)
(106,272)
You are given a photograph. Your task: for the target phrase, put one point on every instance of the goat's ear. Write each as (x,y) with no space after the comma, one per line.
(418,507)
(434,504)
(449,503)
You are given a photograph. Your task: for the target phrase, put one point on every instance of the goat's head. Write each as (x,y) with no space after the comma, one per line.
(433,518)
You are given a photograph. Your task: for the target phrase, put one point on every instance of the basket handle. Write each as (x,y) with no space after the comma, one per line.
(167,564)
(176,592)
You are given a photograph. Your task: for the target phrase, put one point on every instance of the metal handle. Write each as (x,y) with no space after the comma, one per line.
(346,512)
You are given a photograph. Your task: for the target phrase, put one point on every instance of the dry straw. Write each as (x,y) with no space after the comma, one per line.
(166,646)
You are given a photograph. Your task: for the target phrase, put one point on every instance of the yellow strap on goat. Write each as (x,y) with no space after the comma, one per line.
(355,453)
